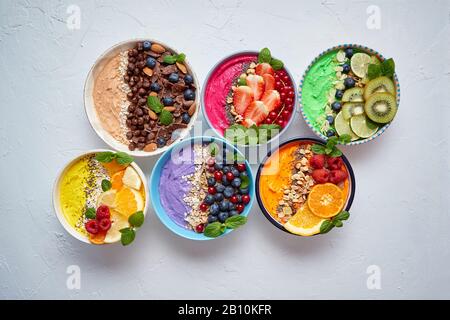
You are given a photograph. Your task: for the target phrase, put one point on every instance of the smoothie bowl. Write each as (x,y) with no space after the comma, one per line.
(202,188)
(350,90)
(100,197)
(249,98)
(304,190)
(141,96)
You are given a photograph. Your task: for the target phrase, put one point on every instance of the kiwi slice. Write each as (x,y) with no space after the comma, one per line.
(380,84)
(350,109)
(381,107)
(353,95)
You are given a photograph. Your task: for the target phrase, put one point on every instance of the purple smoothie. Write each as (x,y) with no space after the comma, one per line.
(172,187)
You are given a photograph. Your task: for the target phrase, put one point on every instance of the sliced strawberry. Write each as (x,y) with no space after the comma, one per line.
(242,97)
(269,82)
(257,84)
(264,68)
(271,99)
(256,113)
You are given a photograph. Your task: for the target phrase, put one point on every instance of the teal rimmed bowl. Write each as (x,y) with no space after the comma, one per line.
(361,48)
(154,183)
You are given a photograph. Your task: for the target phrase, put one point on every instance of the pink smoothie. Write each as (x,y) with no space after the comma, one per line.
(219,85)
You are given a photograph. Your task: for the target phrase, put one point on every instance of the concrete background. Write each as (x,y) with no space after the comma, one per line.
(400,216)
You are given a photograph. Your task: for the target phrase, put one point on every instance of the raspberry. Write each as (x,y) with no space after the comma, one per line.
(321,175)
(105,224)
(103,213)
(337,176)
(335,163)
(317,161)
(91,227)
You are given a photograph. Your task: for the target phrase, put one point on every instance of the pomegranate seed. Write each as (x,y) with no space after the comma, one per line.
(234,199)
(240,207)
(245,198)
(218,175)
(211,190)
(203,207)
(241,167)
(230,176)
(200,228)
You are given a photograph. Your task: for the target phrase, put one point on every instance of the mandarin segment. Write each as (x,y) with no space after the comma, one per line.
(326,200)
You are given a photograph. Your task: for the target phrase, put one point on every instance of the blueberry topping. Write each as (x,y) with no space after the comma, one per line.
(146,45)
(330,133)
(212,219)
(174,77)
(349,82)
(167,101)
(161,142)
(189,94)
(224,205)
(225,181)
(209,199)
(229,191)
(349,52)
(339,94)
(235,172)
(185,118)
(330,119)
(220,188)
(226,169)
(236,182)
(188,79)
(218,197)
(233,213)
(336,106)
(243,174)
(346,68)
(243,190)
(218,166)
(214,209)
(211,182)
(223,215)
(151,62)
(155,87)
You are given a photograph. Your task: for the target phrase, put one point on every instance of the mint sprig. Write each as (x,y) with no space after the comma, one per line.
(154,104)
(121,158)
(106,185)
(265,56)
(386,68)
(90,213)
(336,221)
(165,117)
(136,220)
(171,59)
(215,229)
(330,148)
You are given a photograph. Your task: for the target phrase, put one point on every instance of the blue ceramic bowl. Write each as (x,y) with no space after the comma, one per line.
(155,180)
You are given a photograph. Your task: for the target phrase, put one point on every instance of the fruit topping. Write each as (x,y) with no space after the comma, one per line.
(269,82)
(91,226)
(353,95)
(381,107)
(317,161)
(337,176)
(350,109)
(360,64)
(104,224)
(242,97)
(256,83)
(255,113)
(131,178)
(264,68)
(334,163)
(271,100)
(103,213)
(325,200)
(362,126)
(380,84)
(321,175)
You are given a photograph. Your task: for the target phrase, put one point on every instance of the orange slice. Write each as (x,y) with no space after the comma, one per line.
(326,200)
(98,238)
(128,201)
(116,180)
(113,167)
(304,222)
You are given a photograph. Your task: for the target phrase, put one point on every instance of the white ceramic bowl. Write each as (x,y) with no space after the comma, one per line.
(90,107)
(56,193)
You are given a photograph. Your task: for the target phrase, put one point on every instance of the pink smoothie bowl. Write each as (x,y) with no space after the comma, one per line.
(217,87)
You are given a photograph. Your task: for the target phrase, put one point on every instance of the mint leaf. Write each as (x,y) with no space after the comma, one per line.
(374,71)
(343,215)
(213,149)
(332,142)
(90,213)
(165,117)
(276,64)
(345,138)
(326,226)
(170,59)
(245,182)
(235,222)
(318,149)
(106,185)
(124,158)
(181,57)
(335,153)
(213,230)
(105,157)
(264,56)
(154,104)
(337,223)
(388,67)
(242,82)
(136,219)
(127,236)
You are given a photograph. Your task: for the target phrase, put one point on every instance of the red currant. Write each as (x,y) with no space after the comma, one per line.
(268,120)
(211,190)
(240,207)
(234,199)
(230,176)
(278,85)
(283,96)
(291,94)
(276,76)
(272,114)
(218,175)
(280,122)
(241,167)
(105,224)
(245,198)
(203,207)
(285,78)
(200,228)
(211,161)
(286,115)
(289,108)
(289,101)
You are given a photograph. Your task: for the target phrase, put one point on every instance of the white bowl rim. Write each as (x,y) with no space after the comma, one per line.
(56,194)
(205,115)
(139,153)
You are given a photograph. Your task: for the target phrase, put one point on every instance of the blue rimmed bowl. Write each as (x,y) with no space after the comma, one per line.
(298,141)
(361,48)
(154,183)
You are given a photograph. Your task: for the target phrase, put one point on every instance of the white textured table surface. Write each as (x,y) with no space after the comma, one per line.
(400,216)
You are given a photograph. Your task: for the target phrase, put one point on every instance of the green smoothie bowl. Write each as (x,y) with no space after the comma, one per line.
(351,92)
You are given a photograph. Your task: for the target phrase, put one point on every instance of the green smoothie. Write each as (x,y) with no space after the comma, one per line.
(316,87)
